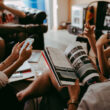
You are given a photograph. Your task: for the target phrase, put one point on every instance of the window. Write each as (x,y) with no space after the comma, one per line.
(14,2)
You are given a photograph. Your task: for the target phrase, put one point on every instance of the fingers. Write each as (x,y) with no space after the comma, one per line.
(19,96)
(26,46)
(80,35)
(77,82)
(87,25)
(16,45)
(74,90)
(30,48)
(86,29)
(105,37)
(92,27)
(21,44)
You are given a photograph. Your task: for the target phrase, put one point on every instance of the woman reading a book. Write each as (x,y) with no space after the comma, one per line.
(7,68)
(96,97)
(46,82)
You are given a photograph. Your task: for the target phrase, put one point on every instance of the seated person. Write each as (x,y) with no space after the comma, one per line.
(96,97)
(43,85)
(7,18)
(46,82)
(8,98)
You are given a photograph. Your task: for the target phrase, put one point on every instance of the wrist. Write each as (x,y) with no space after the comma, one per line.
(12,58)
(91,36)
(20,61)
(72,101)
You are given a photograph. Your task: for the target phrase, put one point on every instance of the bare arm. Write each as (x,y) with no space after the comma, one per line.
(12,58)
(101,77)
(14,11)
(6,63)
(89,33)
(74,95)
(107,52)
(103,62)
(25,54)
(72,107)
(11,69)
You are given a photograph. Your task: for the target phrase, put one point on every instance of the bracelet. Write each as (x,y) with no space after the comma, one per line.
(72,101)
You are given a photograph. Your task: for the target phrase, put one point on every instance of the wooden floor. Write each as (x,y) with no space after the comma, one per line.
(59,39)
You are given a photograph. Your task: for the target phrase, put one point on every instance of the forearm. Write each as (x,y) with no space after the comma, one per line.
(92,42)
(103,64)
(11,69)
(6,63)
(38,87)
(14,11)
(72,107)
(107,52)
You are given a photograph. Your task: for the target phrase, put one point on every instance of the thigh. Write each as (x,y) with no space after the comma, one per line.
(62,91)
(53,81)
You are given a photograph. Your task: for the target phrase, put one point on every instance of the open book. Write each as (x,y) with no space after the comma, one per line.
(26,66)
(70,64)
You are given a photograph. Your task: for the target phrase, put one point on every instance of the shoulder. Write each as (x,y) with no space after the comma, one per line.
(95,92)
(99,87)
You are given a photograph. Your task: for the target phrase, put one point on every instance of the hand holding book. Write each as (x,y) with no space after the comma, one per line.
(69,65)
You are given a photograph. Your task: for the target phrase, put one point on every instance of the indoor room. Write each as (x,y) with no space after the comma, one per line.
(54,54)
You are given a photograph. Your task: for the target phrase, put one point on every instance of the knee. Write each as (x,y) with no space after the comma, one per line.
(53,81)
(2,43)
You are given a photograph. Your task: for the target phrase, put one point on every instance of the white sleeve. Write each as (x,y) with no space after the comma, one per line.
(3,79)
(89,101)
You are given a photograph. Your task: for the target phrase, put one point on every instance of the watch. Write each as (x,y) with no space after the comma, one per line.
(72,101)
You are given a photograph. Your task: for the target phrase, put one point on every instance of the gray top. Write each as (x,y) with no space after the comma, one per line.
(97,97)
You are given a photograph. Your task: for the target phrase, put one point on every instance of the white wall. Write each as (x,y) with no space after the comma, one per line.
(62,11)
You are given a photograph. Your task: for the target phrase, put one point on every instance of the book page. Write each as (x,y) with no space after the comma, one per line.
(21,76)
(60,66)
(24,67)
(35,57)
(80,62)
(58,58)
